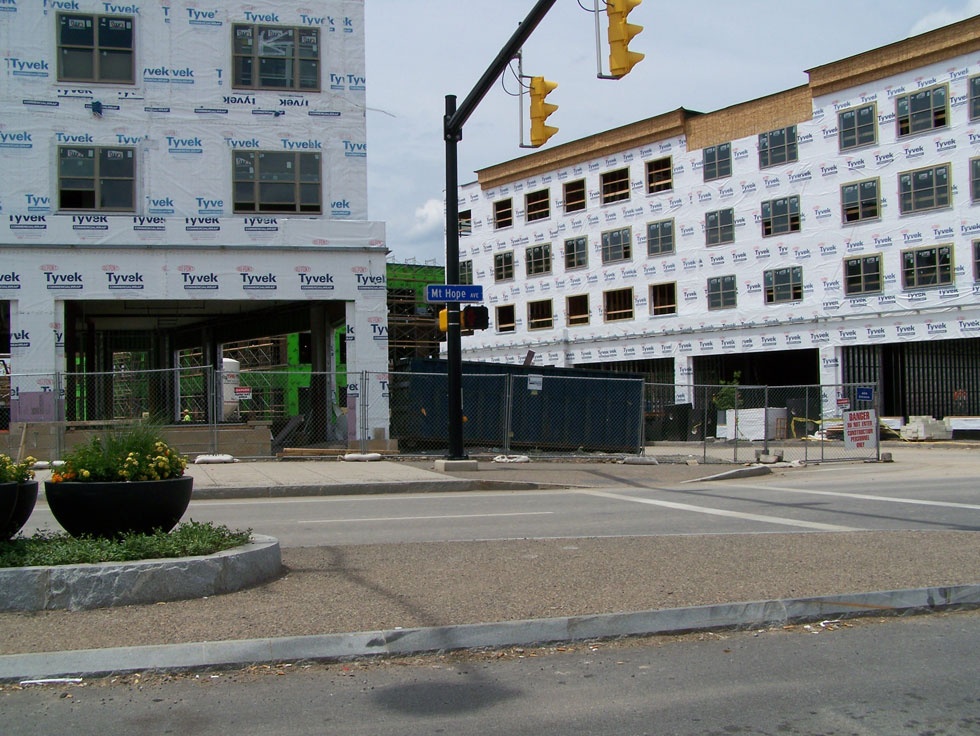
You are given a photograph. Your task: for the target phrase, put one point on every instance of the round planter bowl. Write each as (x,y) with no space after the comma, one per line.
(22,509)
(113,508)
(8,499)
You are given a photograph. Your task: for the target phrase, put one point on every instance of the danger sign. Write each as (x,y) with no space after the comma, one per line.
(859,429)
(243,392)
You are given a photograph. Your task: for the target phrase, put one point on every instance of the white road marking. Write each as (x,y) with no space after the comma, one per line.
(416,518)
(861,496)
(722,512)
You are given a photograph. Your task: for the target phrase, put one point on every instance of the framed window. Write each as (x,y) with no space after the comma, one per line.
(777,147)
(862,275)
(860,201)
(660,237)
(537,259)
(503,266)
(277,181)
(717,161)
(975,179)
(96,178)
(857,126)
(617,304)
(615,185)
(577,310)
(466,272)
(617,245)
(784,285)
(466,222)
(924,189)
(575,195)
(537,205)
(974,98)
(976,260)
(926,109)
(503,213)
(719,227)
(539,315)
(663,298)
(722,292)
(275,57)
(505,318)
(931,266)
(660,175)
(781,216)
(576,253)
(95,48)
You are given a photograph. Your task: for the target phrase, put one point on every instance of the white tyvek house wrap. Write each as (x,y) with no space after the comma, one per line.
(183,120)
(825,319)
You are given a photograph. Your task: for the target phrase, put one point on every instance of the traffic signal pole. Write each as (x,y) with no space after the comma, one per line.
(453,123)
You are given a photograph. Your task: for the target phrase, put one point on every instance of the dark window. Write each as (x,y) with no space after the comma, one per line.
(96,178)
(575,196)
(503,214)
(616,245)
(95,48)
(577,309)
(615,185)
(862,275)
(503,266)
(722,292)
(660,175)
(576,252)
(777,147)
(466,222)
(466,272)
(975,98)
(922,110)
(719,227)
(975,179)
(275,57)
(784,285)
(663,298)
(781,216)
(537,259)
(717,161)
(539,315)
(660,238)
(932,266)
(537,206)
(857,126)
(618,304)
(505,318)
(924,189)
(860,201)
(277,181)
(976,260)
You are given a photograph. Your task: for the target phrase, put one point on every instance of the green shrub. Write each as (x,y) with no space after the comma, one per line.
(134,452)
(186,540)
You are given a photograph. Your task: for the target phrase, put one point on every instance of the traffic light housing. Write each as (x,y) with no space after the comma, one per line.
(540,110)
(444,320)
(621,59)
(475,318)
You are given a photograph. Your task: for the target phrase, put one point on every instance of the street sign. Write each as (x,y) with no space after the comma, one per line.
(859,429)
(865,393)
(441,293)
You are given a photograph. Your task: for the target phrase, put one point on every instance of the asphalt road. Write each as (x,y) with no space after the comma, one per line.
(826,498)
(894,676)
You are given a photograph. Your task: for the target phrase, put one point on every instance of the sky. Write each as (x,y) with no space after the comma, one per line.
(703,55)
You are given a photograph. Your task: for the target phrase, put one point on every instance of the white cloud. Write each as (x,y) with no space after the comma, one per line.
(945,16)
(429,220)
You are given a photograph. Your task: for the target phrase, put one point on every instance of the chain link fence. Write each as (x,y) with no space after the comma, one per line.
(267,414)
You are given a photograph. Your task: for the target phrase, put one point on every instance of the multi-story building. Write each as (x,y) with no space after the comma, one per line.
(180,175)
(828,233)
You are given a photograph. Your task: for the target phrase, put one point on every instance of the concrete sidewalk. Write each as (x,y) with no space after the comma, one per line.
(359,600)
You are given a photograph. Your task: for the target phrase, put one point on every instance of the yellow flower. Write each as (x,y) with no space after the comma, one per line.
(84,473)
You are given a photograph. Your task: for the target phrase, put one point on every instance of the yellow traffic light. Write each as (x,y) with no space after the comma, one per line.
(621,59)
(540,110)
(444,320)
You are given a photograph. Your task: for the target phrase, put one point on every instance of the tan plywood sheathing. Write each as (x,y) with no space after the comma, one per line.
(750,118)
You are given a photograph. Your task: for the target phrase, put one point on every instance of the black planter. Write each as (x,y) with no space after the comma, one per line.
(8,499)
(113,508)
(25,498)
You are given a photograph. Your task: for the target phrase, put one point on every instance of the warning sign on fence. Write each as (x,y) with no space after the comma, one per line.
(243,392)
(859,429)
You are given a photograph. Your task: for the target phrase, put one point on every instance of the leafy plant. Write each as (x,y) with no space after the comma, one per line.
(188,539)
(728,396)
(11,472)
(130,453)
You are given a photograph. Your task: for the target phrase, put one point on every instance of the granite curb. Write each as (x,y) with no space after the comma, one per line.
(81,587)
(401,642)
(451,485)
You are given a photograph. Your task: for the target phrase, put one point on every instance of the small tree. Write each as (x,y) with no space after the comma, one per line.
(728,396)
